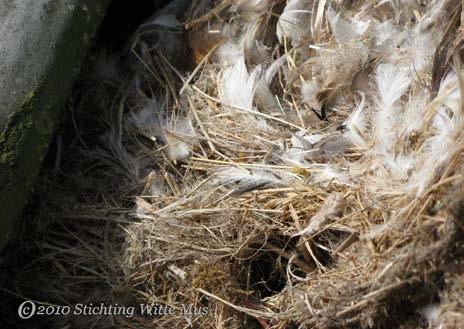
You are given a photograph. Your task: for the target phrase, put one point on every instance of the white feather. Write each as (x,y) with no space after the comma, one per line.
(227,53)
(430,312)
(272,70)
(265,99)
(296,157)
(253,7)
(447,125)
(156,184)
(303,141)
(147,120)
(392,83)
(295,21)
(356,124)
(414,115)
(246,180)
(177,132)
(329,173)
(237,86)
(332,208)
(314,146)
(168,21)
(179,137)
(309,90)
(344,31)
(383,35)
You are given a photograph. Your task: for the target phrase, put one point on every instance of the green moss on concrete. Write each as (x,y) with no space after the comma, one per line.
(24,141)
(17,124)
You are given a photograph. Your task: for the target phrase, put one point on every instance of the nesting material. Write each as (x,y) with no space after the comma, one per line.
(340,187)
(309,173)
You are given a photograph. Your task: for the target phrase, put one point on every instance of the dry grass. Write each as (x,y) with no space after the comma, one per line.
(282,214)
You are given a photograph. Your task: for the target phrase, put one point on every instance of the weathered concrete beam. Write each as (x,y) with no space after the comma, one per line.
(42,44)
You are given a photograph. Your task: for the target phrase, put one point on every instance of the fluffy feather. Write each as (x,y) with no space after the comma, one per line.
(237,86)
(179,137)
(392,83)
(176,132)
(430,313)
(303,141)
(385,34)
(295,21)
(441,146)
(332,208)
(356,125)
(344,31)
(247,180)
(323,173)
(227,53)
(309,91)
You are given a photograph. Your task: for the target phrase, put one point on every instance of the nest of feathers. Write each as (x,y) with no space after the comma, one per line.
(285,164)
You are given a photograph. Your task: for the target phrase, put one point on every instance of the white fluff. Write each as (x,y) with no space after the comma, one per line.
(264,97)
(168,21)
(296,157)
(332,208)
(179,137)
(156,185)
(247,180)
(384,33)
(430,312)
(254,7)
(272,70)
(237,86)
(303,141)
(322,174)
(356,124)
(227,53)
(413,118)
(392,83)
(447,124)
(177,132)
(344,31)
(309,90)
(294,22)
(147,120)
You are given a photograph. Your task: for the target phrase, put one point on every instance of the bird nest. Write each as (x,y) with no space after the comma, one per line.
(300,167)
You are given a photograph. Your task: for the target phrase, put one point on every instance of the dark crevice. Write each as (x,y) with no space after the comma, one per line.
(122,20)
